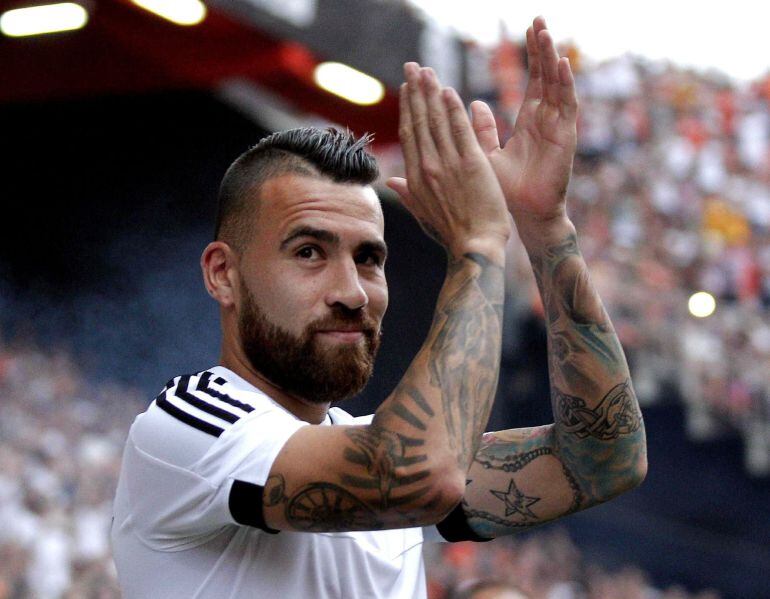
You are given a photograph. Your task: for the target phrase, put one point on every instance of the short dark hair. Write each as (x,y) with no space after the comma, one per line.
(329,152)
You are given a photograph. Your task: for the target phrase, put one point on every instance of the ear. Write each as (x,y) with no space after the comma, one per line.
(220,274)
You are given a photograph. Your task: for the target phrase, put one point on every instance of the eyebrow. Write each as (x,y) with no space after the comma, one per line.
(305,231)
(331,238)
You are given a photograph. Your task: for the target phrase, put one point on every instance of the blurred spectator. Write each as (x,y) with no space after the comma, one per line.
(488,589)
(60,449)
(544,565)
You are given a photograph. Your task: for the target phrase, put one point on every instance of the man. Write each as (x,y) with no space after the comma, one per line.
(242,481)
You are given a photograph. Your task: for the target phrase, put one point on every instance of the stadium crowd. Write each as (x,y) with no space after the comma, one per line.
(542,565)
(60,448)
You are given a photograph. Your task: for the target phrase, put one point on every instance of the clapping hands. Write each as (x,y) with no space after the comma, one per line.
(532,169)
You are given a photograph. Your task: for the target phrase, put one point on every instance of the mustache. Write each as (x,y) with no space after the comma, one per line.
(345,321)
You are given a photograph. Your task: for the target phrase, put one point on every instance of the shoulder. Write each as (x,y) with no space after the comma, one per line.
(340,416)
(207,402)
(193,411)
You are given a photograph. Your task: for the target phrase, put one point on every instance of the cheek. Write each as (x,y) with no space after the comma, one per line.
(287,302)
(378,298)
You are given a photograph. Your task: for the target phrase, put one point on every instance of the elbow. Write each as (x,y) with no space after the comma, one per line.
(618,471)
(641,469)
(452,489)
(447,491)
(630,479)
(638,472)
(629,475)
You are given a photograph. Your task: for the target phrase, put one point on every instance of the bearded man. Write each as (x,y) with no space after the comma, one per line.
(244,481)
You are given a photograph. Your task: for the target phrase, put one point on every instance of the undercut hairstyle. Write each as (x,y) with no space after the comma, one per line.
(337,155)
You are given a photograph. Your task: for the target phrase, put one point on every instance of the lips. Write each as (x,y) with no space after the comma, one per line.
(344,335)
(341,329)
(345,332)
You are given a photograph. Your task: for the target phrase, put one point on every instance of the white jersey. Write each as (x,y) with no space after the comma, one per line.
(174,534)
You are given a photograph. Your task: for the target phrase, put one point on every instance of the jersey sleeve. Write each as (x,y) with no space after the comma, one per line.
(192,481)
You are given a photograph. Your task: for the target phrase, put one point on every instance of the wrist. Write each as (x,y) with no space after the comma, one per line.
(537,232)
(492,248)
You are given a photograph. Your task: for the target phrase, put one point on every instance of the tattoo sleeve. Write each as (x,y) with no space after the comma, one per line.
(596,447)
(393,472)
(464,354)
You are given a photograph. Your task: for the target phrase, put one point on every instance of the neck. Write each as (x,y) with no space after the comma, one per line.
(314,413)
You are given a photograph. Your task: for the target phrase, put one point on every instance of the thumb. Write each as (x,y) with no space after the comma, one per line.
(484,126)
(400,186)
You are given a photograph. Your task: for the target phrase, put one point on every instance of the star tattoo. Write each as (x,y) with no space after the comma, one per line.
(516,502)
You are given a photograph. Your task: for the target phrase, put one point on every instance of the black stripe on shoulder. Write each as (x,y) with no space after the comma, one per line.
(204,384)
(188,419)
(183,393)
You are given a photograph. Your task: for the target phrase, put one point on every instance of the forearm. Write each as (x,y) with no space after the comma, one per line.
(598,429)
(517,481)
(440,407)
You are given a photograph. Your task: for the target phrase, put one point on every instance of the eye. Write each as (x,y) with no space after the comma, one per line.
(308,252)
(370,259)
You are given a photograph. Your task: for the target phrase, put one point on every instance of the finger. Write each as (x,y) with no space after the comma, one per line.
(568,95)
(401,187)
(438,119)
(549,63)
(534,89)
(406,135)
(459,124)
(538,25)
(484,126)
(419,111)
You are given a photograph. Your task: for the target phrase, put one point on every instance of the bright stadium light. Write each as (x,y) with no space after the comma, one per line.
(702,304)
(181,12)
(47,18)
(348,83)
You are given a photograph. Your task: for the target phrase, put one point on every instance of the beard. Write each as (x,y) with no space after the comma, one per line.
(301,365)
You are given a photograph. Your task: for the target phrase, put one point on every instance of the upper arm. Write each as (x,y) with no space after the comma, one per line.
(333,478)
(518,480)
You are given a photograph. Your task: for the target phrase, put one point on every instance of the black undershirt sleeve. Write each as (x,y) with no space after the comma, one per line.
(245,505)
(455,527)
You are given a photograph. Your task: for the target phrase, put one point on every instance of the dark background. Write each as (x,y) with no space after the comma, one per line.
(107,204)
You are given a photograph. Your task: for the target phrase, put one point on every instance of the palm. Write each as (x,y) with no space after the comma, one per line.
(534,166)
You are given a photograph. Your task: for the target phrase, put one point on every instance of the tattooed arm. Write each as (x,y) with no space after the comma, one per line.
(596,447)
(408,467)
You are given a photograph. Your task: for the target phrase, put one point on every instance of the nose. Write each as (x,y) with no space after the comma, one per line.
(346,289)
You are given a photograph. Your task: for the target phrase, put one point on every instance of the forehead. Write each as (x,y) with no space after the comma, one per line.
(290,200)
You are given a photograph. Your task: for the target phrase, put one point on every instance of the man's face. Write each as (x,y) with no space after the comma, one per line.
(313,290)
